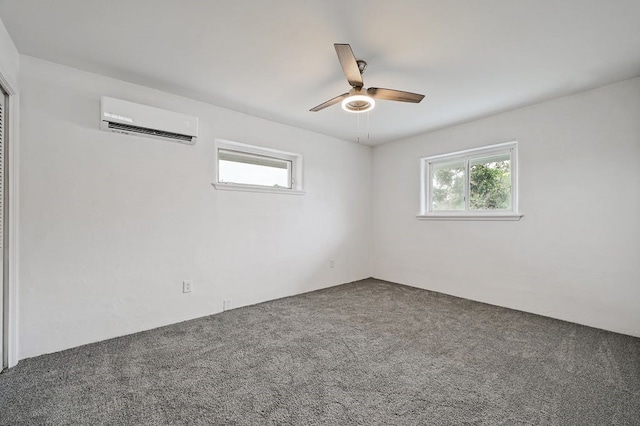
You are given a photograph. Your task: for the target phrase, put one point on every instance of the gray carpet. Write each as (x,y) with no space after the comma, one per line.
(365,353)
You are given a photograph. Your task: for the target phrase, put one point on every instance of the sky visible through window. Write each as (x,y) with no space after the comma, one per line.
(253,174)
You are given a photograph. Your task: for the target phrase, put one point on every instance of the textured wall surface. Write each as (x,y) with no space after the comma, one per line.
(9,57)
(573,256)
(111,224)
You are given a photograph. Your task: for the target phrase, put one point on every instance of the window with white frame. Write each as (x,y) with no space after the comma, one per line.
(479,183)
(244,167)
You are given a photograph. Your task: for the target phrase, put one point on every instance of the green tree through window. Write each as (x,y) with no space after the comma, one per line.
(477,182)
(490,185)
(448,186)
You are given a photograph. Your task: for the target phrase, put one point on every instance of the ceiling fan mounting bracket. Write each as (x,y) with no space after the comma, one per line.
(362,65)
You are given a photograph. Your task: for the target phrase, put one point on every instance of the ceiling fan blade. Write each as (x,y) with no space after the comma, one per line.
(349,64)
(329,102)
(394,95)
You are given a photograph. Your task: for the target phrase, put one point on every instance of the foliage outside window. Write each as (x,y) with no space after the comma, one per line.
(477,183)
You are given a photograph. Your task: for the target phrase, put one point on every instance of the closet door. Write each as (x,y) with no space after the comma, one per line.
(3,292)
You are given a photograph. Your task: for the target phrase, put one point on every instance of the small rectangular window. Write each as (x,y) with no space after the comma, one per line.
(479,183)
(251,168)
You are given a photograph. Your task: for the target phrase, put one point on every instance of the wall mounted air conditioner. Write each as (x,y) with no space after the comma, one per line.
(134,119)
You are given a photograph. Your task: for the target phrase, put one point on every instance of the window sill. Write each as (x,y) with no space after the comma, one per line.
(251,188)
(477,216)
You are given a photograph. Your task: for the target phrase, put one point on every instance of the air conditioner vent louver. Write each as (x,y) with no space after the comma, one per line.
(134,129)
(119,116)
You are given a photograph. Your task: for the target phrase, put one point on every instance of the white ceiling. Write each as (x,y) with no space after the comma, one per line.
(275,58)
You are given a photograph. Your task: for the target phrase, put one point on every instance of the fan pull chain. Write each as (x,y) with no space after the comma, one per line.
(358,127)
(368,132)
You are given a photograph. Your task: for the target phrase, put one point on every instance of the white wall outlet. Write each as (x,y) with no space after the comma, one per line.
(226,304)
(332,263)
(187,286)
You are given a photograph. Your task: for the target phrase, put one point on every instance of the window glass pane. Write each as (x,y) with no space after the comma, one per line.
(250,169)
(490,183)
(244,157)
(448,186)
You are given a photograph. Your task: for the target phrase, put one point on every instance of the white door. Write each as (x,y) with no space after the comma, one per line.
(3,291)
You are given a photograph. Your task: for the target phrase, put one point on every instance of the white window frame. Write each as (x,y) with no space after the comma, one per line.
(295,171)
(426,183)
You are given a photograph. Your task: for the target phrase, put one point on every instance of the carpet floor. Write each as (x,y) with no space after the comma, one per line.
(364,353)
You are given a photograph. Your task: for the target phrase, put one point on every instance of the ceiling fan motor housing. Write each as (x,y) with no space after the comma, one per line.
(358,101)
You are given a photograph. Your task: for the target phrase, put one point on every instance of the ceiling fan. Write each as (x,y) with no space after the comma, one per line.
(360,99)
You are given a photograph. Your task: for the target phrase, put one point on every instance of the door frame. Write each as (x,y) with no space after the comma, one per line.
(9,283)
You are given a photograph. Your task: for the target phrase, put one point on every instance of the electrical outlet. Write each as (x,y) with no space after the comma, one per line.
(187,286)
(332,263)
(226,304)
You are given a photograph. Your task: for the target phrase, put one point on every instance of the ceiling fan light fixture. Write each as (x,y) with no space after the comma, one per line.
(358,103)
(359,99)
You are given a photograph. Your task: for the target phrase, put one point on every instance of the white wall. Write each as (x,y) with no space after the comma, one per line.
(112,224)
(576,253)
(9,57)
